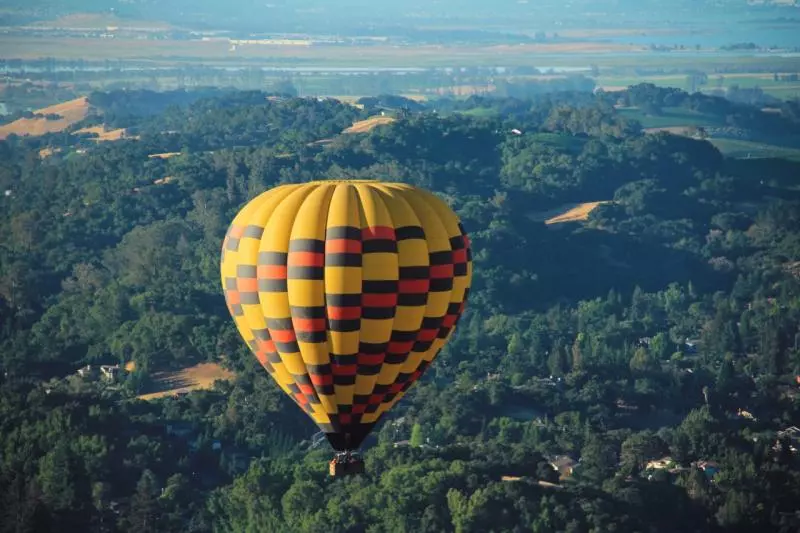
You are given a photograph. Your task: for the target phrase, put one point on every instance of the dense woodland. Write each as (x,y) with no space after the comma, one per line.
(664,325)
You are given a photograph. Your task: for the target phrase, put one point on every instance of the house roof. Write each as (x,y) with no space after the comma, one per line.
(563,461)
(659,463)
(707,464)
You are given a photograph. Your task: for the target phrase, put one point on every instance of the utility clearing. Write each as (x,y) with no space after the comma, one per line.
(198,377)
(70,112)
(364,126)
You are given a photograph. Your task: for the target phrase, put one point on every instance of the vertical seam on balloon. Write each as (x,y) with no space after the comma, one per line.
(400,199)
(312,396)
(378,198)
(268,342)
(327,199)
(241,220)
(379,205)
(446,328)
(294,386)
(400,388)
(344,410)
(468,274)
(423,364)
(436,205)
(247,213)
(355,418)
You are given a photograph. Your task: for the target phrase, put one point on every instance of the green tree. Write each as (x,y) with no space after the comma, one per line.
(598,459)
(637,450)
(145,509)
(660,347)
(64,483)
(417,438)
(515,344)
(557,362)
(642,361)
(301,501)
(577,352)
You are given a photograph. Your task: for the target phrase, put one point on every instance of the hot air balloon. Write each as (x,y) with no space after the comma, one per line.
(346,291)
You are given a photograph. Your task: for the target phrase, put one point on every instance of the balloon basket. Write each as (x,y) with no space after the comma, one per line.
(346,464)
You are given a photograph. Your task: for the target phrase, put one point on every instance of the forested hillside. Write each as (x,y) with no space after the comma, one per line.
(638,371)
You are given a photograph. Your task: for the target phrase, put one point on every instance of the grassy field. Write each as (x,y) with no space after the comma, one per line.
(162,51)
(766,81)
(680,122)
(574,214)
(675,130)
(467,90)
(595,33)
(71,112)
(480,112)
(218,52)
(364,126)
(103,134)
(97,21)
(566,213)
(671,117)
(745,149)
(351,99)
(559,141)
(198,377)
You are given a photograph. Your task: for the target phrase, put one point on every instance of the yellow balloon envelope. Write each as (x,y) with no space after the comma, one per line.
(346,291)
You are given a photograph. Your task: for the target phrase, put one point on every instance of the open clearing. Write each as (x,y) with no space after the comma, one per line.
(670,117)
(71,112)
(165,155)
(479,112)
(198,377)
(364,126)
(568,213)
(686,131)
(217,52)
(749,149)
(165,51)
(97,21)
(541,483)
(103,134)
(766,81)
(464,90)
(583,33)
(736,148)
(44,153)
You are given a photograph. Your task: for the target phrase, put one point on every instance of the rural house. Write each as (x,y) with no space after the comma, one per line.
(660,464)
(110,372)
(564,465)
